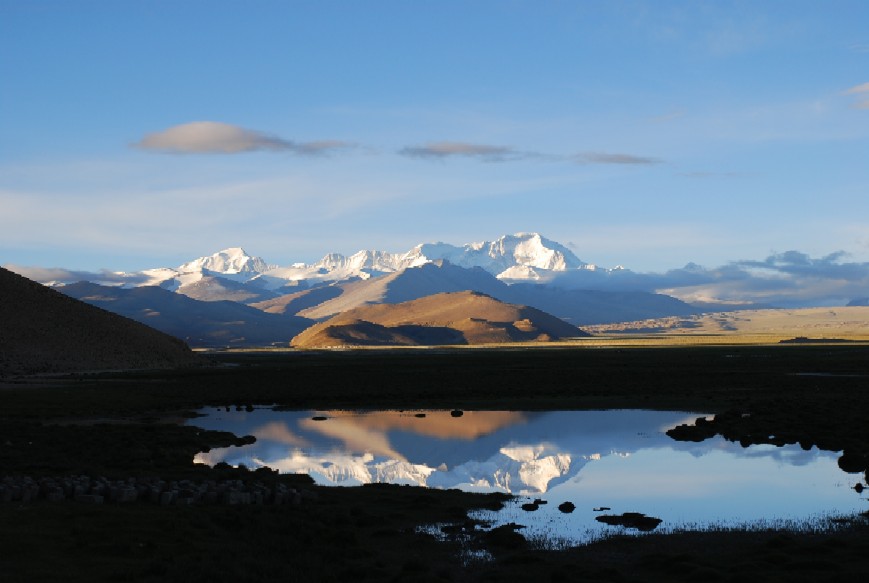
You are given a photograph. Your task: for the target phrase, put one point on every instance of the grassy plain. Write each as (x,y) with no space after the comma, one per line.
(746,327)
(126,424)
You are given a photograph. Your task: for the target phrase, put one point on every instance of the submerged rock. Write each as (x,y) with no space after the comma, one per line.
(631,520)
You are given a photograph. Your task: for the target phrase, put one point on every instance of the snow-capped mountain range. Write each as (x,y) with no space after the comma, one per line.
(523,257)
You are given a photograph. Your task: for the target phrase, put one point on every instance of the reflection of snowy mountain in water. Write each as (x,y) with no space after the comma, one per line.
(523,469)
(481,450)
(621,460)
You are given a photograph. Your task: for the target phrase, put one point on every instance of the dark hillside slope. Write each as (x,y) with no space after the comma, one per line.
(201,324)
(42,331)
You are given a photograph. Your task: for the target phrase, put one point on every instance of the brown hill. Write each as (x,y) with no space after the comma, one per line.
(42,330)
(446,318)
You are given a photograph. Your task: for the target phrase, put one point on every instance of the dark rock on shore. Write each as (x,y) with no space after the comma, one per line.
(631,520)
(506,537)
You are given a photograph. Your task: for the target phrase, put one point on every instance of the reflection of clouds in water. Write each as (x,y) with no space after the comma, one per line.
(280,433)
(439,424)
(523,453)
(618,459)
(356,438)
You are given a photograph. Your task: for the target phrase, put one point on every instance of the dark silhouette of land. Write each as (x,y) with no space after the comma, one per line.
(43,331)
(124,425)
(121,432)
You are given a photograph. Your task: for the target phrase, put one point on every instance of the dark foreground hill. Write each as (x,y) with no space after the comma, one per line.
(447,318)
(42,330)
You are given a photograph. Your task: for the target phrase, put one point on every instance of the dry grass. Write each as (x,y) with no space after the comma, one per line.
(739,327)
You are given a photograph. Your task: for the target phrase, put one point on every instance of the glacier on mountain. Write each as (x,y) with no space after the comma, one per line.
(519,257)
(523,257)
(230,261)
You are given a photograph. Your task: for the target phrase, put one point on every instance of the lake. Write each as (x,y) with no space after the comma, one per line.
(603,462)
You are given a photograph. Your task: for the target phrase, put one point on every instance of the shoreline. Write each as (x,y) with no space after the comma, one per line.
(777,384)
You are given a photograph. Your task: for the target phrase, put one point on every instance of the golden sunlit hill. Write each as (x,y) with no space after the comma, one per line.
(44,331)
(447,318)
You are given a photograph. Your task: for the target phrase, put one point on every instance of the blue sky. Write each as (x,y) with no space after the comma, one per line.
(647,134)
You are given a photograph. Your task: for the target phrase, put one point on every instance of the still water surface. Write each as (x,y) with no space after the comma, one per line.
(621,460)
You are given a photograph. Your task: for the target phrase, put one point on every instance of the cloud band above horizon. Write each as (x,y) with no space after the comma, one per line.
(211,137)
(444,150)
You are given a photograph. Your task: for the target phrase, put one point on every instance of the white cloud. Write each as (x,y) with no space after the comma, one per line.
(862,88)
(211,137)
(862,91)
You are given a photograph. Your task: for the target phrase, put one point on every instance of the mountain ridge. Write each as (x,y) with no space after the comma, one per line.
(523,256)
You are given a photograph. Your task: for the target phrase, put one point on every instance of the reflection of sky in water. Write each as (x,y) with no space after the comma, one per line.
(619,459)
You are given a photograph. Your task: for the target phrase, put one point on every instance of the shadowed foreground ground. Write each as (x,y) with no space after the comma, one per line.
(120,426)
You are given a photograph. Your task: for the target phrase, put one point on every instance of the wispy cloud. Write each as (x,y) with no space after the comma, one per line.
(613,158)
(705,174)
(491,153)
(211,137)
(484,152)
(861,90)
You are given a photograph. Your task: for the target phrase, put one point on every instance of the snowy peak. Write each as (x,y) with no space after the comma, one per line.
(234,260)
(368,261)
(507,256)
(519,257)
(523,257)
(530,250)
(526,256)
